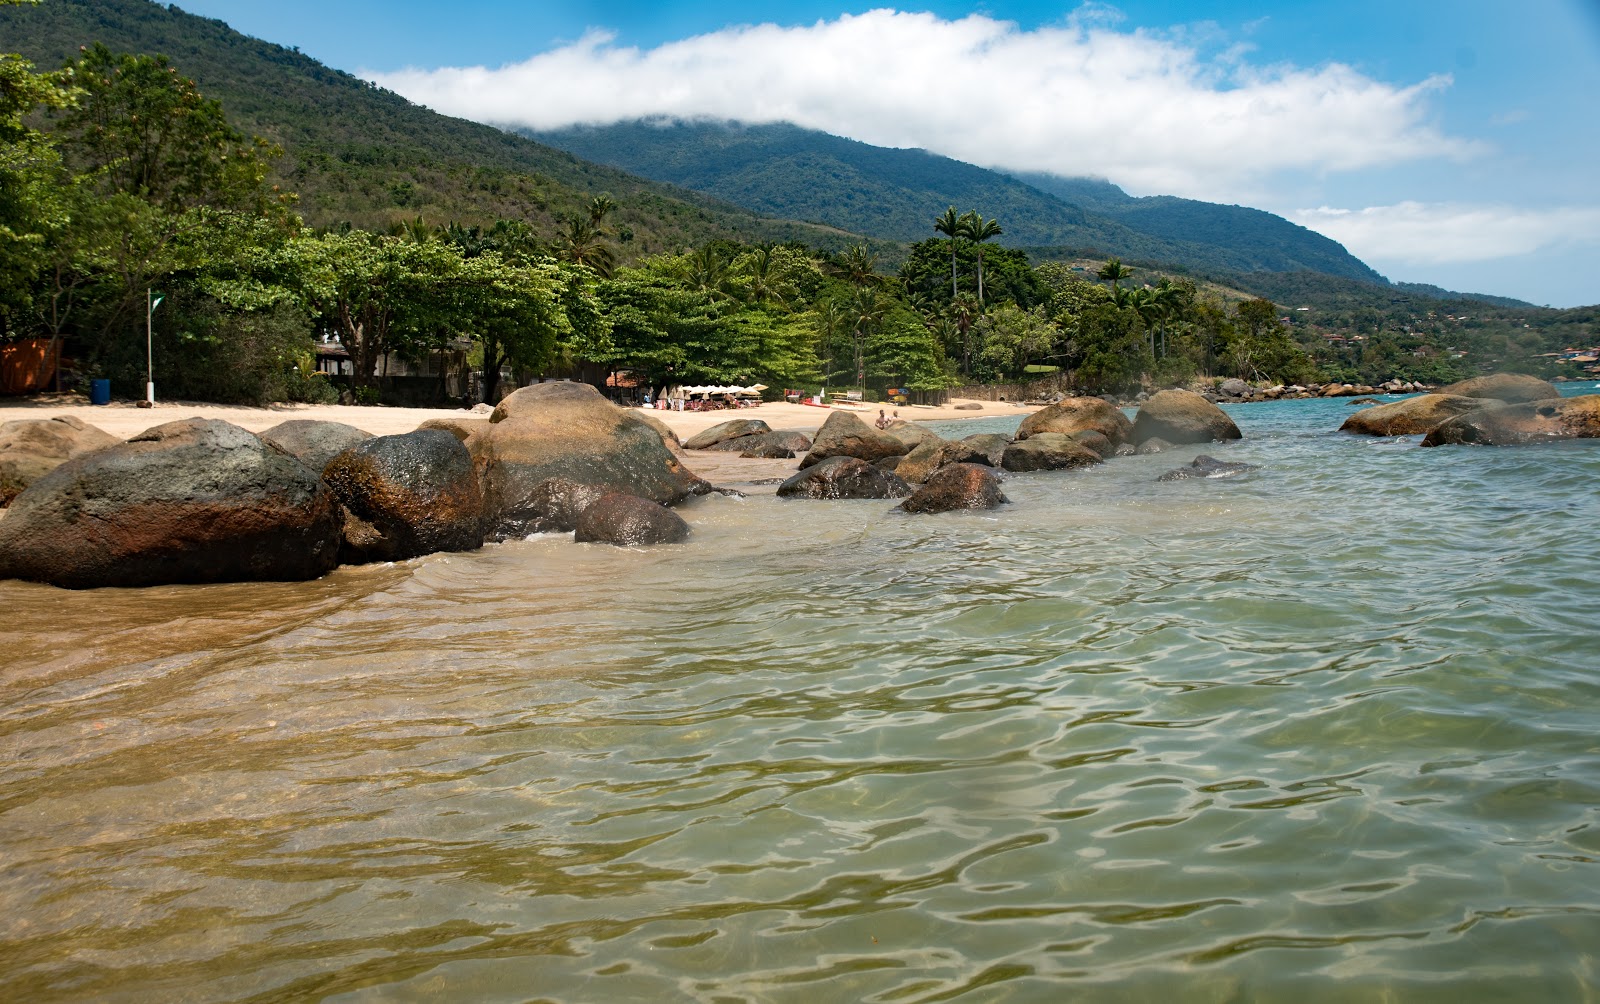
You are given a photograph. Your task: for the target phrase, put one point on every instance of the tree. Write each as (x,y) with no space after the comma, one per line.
(513,312)
(599,208)
(1012,337)
(857,266)
(1115,271)
(979,231)
(949,224)
(866,309)
(34,208)
(582,244)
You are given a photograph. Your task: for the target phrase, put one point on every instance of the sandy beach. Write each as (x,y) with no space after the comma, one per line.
(123,420)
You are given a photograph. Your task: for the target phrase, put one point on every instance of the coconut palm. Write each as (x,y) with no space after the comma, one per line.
(1114,270)
(949,224)
(599,207)
(581,244)
(867,310)
(978,230)
(858,266)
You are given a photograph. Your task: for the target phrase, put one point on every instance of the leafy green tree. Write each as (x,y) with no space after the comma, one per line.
(1011,338)
(35,207)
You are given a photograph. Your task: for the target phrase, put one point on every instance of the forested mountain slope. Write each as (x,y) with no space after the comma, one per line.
(356,153)
(784,170)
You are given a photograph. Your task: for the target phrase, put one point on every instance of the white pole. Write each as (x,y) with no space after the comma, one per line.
(149,356)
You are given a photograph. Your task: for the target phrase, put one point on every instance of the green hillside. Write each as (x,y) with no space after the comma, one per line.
(360,154)
(783,170)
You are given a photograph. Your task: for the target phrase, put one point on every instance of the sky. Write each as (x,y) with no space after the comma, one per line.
(1453,143)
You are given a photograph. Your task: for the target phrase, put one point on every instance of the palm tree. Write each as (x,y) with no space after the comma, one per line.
(978,230)
(857,265)
(949,224)
(1167,298)
(763,283)
(1114,270)
(1150,308)
(866,311)
(964,311)
(832,322)
(581,245)
(599,206)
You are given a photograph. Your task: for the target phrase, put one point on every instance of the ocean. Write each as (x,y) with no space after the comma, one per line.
(1323,732)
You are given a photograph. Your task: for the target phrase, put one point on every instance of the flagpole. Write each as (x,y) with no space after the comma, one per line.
(150,302)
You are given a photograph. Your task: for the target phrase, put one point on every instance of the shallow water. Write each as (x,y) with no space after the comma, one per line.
(1323,732)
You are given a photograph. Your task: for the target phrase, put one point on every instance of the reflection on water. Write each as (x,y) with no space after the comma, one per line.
(1325,732)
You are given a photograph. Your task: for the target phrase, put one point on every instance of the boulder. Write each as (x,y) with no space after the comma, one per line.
(915,466)
(1411,417)
(1048,451)
(969,406)
(408,495)
(1182,416)
(732,429)
(461,428)
(845,435)
(844,478)
(1077,413)
(566,430)
(911,434)
(629,521)
(313,443)
(1153,445)
(30,448)
(1233,387)
(888,464)
(1207,467)
(554,507)
(1511,388)
(192,501)
(1523,424)
(989,446)
(1096,442)
(957,486)
(668,437)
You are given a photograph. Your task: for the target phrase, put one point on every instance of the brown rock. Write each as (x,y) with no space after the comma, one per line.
(722,432)
(1512,388)
(1522,424)
(957,486)
(844,478)
(1073,414)
(1182,416)
(1048,451)
(845,435)
(668,437)
(461,428)
(629,521)
(314,443)
(31,448)
(406,496)
(1411,417)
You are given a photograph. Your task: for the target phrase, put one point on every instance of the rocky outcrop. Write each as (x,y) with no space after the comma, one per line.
(668,437)
(1511,388)
(554,507)
(314,443)
(1075,414)
(1412,417)
(1154,444)
(567,431)
(989,446)
(911,434)
(405,496)
(461,428)
(1522,424)
(1048,451)
(191,501)
(844,478)
(1207,467)
(629,521)
(30,448)
(957,486)
(845,435)
(922,461)
(733,429)
(1096,442)
(1182,416)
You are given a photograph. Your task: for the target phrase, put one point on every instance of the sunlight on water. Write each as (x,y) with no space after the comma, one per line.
(1324,732)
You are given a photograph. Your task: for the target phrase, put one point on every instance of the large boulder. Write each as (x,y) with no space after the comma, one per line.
(957,486)
(844,478)
(193,501)
(922,461)
(1073,414)
(461,428)
(312,442)
(1411,417)
(668,437)
(1048,451)
(1511,388)
(629,521)
(845,435)
(406,496)
(1182,416)
(986,448)
(732,429)
(1522,424)
(911,434)
(568,431)
(30,448)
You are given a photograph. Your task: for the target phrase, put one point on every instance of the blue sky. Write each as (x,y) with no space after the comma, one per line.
(1452,143)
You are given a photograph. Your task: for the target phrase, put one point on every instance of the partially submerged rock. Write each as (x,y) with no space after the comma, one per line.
(991,446)
(844,478)
(629,521)
(198,500)
(568,431)
(1512,388)
(1074,414)
(1411,417)
(732,429)
(1182,416)
(957,486)
(845,435)
(1205,466)
(1048,451)
(1522,424)
(312,442)
(30,448)
(406,496)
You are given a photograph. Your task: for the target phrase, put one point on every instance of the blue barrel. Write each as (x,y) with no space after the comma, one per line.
(99,391)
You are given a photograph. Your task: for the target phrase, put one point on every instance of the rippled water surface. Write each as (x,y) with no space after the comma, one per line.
(1324,732)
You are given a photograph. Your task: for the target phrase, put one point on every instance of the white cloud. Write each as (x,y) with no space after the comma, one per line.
(1416,233)
(1083,98)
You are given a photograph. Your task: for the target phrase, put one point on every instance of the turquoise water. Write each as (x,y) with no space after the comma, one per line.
(1325,732)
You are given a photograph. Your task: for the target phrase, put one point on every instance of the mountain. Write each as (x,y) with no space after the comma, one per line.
(355,152)
(787,171)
